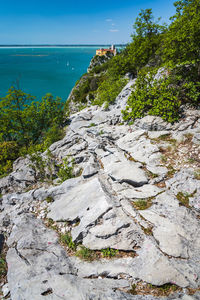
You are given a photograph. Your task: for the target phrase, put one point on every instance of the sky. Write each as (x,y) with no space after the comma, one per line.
(74,21)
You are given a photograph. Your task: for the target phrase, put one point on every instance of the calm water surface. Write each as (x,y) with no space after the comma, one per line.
(43,70)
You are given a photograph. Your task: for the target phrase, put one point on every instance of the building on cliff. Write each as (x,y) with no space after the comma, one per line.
(102,51)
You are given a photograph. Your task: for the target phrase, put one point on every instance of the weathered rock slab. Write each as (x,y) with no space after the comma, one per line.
(85,203)
(146,191)
(115,231)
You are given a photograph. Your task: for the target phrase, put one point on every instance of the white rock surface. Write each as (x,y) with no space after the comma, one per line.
(160,244)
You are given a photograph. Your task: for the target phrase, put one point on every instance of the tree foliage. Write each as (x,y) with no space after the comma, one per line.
(9,151)
(153,97)
(146,39)
(26,123)
(109,90)
(182,41)
(24,120)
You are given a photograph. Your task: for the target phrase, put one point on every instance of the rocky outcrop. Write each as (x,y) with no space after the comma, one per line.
(138,193)
(99,60)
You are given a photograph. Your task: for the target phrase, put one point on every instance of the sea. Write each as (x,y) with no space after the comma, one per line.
(40,70)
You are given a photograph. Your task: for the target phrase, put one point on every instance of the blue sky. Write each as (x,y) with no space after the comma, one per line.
(74,21)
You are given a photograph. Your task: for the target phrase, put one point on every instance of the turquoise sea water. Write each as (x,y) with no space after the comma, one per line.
(43,70)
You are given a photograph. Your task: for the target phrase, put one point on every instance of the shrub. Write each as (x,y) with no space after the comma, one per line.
(66,170)
(185,77)
(44,166)
(53,134)
(153,97)
(109,90)
(85,90)
(9,151)
(122,63)
(26,122)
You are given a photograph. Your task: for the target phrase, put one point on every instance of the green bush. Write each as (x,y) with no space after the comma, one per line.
(26,121)
(87,86)
(182,40)
(52,135)
(185,77)
(122,63)
(43,166)
(27,126)
(66,170)
(153,97)
(191,92)
(109,90)
(100,68)
(9,151)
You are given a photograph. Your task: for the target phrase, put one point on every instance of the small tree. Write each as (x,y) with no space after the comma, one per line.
(182,41)
(26,121)
(146,39)
(13,119)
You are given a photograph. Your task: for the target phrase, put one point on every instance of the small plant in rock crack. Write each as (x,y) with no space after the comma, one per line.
(67,240)
(66,169)
(163,158)
(196,175)
(92,125)
(3,268)
(109,252)
(152,175)
(43,166)
(171,171)
(85,253)
(101,132)
(163,290)
(49,199)
(142,204)
(147,230)
(133,289)
(142,288)
(183,198)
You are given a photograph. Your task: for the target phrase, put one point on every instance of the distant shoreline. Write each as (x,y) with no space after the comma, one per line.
(59,46)
(29,55)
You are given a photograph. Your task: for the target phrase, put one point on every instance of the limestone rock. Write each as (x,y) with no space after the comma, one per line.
(152,123)
(158,245)
(115,231)
(126,172)
(196,138)
(146,191)
(85,202)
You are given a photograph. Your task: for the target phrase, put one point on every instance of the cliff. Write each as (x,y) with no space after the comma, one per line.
(126,226)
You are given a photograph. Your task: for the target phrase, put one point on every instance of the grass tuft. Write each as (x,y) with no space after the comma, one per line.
(142,288)
(67,240)
(49,199)
(143,204)
(85,253)
(183,198)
